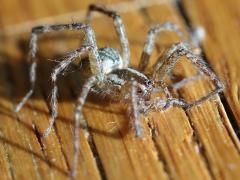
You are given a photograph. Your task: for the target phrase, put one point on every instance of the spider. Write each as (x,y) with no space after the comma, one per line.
(112,76)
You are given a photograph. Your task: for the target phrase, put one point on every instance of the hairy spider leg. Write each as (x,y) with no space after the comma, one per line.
(120,29)
(135,110)
(95,62)
(167,93)
(65,62)
(79,120)
(171,57)
(159,104)
(151,38)
(181,83)
(185,81)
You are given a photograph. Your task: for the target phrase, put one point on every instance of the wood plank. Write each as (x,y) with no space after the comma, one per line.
(198,144)
(33,9)
(33,13)
(220,20)
(15,138)
(209,122)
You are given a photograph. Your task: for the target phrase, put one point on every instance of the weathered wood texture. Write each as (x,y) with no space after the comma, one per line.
(197,144)
(222,43)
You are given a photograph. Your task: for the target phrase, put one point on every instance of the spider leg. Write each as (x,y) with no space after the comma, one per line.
(167,93)
(151,38)
(65,62)
(80,121)
(135,109)
(160,104)
(32,72)
(170,59)
(120,29)
(185,81)
(95,62)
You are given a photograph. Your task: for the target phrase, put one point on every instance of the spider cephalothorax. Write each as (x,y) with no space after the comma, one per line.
(110,74)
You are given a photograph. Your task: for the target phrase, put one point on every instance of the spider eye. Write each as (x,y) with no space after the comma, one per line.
(149,82)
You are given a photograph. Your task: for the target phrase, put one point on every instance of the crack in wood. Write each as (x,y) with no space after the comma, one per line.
(38,135)
(97,157)
(196,139)
(160,155)
(62,149)
(231,118)
(180,8)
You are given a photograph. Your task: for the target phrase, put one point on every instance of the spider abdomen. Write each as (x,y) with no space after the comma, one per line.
(111,59)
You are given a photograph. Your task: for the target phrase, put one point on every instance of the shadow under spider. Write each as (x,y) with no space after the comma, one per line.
(16,72)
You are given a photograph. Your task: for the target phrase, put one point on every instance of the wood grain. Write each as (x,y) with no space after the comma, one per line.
(197,144)
(222,42)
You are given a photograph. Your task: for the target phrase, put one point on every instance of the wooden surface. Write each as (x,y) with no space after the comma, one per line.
(198,144)
(221,24)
